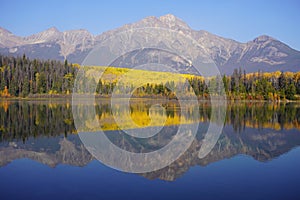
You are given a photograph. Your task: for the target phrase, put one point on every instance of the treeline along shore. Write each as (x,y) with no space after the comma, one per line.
(21,77)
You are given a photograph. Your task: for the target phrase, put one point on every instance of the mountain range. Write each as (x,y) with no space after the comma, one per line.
(263,53)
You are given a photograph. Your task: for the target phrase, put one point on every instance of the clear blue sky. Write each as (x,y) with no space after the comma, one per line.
(237,19)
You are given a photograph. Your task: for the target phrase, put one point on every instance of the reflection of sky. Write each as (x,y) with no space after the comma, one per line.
(239,177)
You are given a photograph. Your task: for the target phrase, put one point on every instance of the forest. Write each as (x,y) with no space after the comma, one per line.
(23,77)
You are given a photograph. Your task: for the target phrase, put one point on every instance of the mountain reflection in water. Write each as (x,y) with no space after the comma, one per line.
(44,131)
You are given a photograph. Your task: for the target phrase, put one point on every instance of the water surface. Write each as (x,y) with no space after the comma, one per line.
(256,156)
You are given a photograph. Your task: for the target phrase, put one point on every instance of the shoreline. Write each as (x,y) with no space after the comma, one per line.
(48,97)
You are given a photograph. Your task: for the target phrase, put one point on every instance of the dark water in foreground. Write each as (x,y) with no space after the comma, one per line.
(256,156)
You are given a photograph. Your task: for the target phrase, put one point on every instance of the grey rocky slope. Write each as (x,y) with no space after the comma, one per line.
(263,53)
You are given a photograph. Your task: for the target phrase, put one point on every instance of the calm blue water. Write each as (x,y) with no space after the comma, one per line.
(239,177)
(257,156)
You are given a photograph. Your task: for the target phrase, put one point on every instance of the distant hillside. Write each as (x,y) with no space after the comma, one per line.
(263,53)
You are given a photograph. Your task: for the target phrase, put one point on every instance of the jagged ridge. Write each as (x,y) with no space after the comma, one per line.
(264,52)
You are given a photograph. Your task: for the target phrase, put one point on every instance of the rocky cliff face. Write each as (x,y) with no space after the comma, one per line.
(263,53)
(7,39)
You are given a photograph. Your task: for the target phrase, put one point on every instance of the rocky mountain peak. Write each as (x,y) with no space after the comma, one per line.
(166,21)
(263,38)
(8,39)
(169,18)
(4,31)
(172,21)
(52,29)
(51,34)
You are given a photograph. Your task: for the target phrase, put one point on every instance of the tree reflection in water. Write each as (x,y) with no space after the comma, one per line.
(45,131)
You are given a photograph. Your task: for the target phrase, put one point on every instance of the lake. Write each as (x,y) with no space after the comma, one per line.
(256,156)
